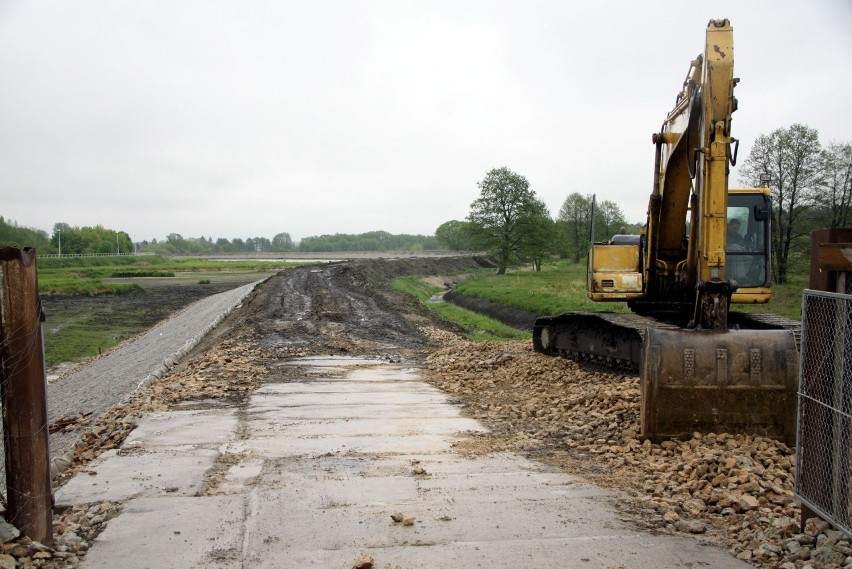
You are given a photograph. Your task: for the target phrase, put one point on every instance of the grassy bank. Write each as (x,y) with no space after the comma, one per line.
(561,287)
(476,326)
(70,276)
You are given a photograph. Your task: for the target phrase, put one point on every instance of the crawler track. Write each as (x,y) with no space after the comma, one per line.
(615,340)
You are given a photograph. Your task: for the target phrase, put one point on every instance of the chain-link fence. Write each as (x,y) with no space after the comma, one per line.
(825,407)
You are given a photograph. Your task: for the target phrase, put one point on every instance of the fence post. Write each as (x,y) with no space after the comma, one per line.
(23,392)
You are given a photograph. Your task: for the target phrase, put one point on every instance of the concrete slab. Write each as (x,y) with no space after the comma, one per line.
(323,464)
(526,534)
(277,447)
(336,411)
(377,375)
(341,525)
(173,532)
(389,397)
(172,428)
(633,552)
(346,386)
(118,476)
(261,426)
(348,466)
(319,362)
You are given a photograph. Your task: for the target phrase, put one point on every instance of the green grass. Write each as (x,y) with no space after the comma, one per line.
(71,285)
(138,274)
(84,275)
(786,299)
(559,287)
(78,333)
(476,326)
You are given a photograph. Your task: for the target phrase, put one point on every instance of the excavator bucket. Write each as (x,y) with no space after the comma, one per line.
(724,381)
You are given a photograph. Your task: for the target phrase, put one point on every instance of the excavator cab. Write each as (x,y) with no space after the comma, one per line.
(747,247)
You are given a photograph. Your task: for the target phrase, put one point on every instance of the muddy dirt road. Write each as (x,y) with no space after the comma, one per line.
(731,490)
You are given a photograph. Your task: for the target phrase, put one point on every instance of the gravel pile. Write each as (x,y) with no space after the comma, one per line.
(729,488)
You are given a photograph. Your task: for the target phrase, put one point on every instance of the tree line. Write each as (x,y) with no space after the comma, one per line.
(69,240)
(65,239)
(13,235)
(282,242)
(811,187)
(510,221)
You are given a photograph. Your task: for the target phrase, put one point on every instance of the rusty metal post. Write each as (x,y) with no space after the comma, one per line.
(828,263)
(23,392)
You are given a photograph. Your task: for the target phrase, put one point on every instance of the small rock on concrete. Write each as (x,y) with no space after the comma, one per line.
(363,562)
(690,526)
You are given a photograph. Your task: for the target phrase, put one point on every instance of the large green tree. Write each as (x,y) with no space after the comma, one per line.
(573,219)
(834,197)
(454,235)
(575,222)
(790,159)
(609,219)
(539,235)
(504,216)
(282,242)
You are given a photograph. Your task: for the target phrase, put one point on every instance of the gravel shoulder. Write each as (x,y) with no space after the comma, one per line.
(87,394)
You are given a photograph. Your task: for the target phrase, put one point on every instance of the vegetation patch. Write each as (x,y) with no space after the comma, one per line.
(559,287)
(786,298)
(70,285)
(69,276)
(138,274)
(76,329)
(475,326)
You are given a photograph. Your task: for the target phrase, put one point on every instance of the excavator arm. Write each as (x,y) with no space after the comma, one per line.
(713,288)
(686,266)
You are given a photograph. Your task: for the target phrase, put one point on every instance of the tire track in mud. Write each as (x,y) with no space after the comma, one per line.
(321,309)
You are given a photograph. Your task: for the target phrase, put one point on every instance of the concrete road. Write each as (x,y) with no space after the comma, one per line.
(309,474)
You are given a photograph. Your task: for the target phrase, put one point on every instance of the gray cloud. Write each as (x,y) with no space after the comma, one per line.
(251,118)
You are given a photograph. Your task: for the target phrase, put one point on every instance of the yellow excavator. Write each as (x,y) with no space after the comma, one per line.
(704,247)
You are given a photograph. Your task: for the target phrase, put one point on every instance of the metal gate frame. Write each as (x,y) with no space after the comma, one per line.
(824,430)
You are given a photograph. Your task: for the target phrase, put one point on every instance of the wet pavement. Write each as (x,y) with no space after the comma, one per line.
(309,473)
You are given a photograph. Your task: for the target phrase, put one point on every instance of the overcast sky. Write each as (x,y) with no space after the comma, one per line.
(249,118)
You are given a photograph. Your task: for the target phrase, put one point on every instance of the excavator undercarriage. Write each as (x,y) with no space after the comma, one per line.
(742,379)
